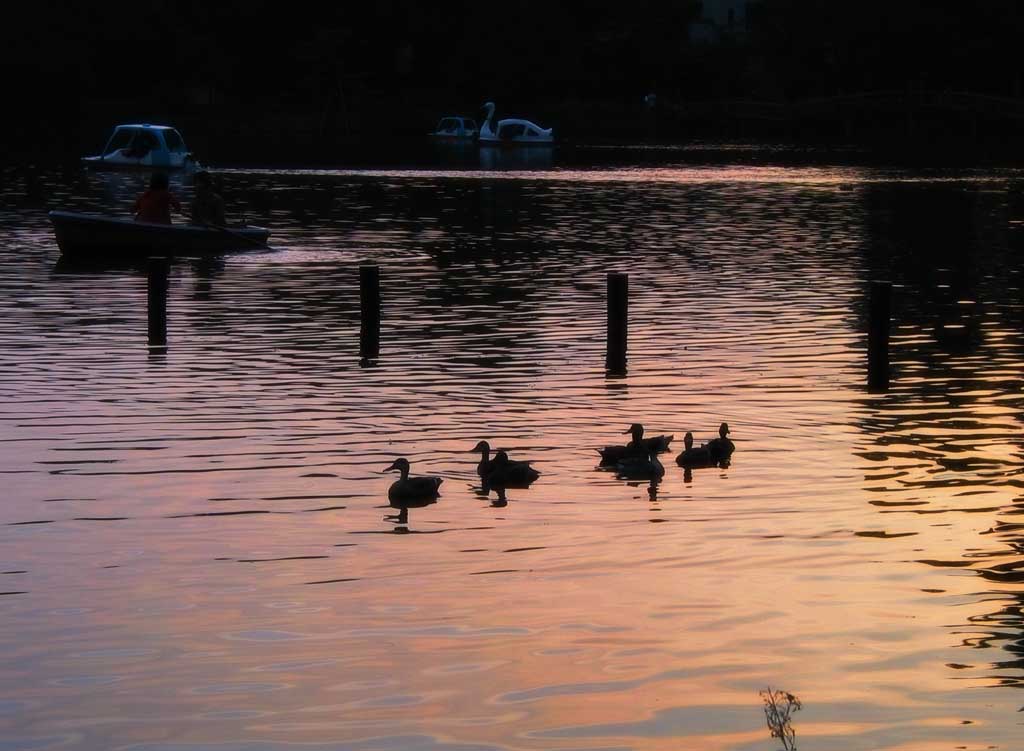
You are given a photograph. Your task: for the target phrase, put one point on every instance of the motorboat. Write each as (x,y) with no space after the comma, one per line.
(144,146)
(100,236)
(512,131)
(456,129)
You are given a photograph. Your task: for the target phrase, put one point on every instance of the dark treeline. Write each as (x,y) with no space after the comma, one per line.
(286,73)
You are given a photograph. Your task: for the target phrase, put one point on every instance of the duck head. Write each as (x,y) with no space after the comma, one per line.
(688,441)
(483,448)
(401,464)
(636,430)
(489,106)
(723,429)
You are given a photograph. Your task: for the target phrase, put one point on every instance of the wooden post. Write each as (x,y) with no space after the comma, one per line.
(369,311)
(878,336)
(156,288)
(618,316)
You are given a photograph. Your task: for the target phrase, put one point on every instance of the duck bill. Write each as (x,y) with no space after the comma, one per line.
(389,469)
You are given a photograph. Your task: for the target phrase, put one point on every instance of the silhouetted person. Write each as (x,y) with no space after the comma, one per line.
(207,206)
(156,203)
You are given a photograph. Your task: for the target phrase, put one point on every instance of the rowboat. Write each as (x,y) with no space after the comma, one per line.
(97,235)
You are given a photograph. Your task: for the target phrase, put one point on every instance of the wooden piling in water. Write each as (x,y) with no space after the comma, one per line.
(618,322)
(157,283)
(878,336)
(369,311)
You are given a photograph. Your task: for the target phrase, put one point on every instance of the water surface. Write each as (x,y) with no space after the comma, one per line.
(197,548)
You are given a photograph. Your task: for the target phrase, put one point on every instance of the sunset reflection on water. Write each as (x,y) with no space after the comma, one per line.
(198,539)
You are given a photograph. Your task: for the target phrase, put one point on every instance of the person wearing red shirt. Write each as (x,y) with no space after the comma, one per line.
(156,203)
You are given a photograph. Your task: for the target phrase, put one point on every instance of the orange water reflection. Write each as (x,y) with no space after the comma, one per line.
(212,563)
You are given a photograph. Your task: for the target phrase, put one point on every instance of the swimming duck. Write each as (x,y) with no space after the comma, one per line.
(694,457)
(484,467)
(486,464)
(639,446)
(504,472)
(721,448)
(640,466)
(408,488)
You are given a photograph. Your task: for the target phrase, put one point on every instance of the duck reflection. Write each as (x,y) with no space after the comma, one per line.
(502,500)
(401,518)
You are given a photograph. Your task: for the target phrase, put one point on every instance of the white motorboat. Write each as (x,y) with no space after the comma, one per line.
(513,131)
(456,129)
(144,146)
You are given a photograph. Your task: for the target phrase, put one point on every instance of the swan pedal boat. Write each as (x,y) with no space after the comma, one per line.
(99,236)
(513,131)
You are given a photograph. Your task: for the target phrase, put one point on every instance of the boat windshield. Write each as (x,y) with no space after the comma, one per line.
(469,124)
(448,124)
(174,140)
(121,139)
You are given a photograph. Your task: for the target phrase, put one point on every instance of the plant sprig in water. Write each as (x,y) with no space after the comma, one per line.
(778,707)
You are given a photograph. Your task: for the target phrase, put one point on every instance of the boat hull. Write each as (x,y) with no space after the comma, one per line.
(493,141)
(96,236)
(110,164)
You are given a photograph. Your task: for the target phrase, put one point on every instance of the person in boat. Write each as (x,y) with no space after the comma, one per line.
(156,203)
(207,206)
(141,144)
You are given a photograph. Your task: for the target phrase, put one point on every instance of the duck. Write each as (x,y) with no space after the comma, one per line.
(505,472)
(486,464)
(484,467)
(721,448)
(611,455)
(407,488)
(694,457)
(644,466)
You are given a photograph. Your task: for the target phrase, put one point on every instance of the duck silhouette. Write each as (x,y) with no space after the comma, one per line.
(484,467)
(514,471)
(694,456)
(721,448)
(504,472)
(638,447)
(406,488)
(640,466)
